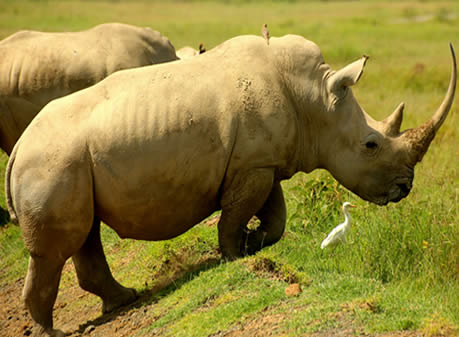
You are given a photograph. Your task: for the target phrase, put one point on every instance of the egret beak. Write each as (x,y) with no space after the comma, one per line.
(353,206)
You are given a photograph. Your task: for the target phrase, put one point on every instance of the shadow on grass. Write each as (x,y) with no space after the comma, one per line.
(163,287)
(4,217)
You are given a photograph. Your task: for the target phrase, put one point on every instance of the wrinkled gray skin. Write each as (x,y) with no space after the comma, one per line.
(153,151)
(38,67)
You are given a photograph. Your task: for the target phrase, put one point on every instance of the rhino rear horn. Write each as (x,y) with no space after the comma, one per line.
(394,121)
(347,76)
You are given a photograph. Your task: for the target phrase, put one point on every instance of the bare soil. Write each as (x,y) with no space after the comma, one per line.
(84,318)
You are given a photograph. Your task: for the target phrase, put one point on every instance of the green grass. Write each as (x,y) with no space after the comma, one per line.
(231,291)
(402,259)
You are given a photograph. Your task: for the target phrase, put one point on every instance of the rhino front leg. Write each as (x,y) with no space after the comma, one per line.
(244,198)
(94,273)
(272,217)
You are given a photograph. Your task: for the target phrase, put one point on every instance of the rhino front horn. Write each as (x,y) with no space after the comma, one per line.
(439,116)
(421,137)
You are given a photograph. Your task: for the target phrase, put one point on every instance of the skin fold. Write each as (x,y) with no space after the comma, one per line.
(38,67)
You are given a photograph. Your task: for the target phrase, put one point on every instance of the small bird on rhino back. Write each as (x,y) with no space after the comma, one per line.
(265,33)
(201,48)
(338,234)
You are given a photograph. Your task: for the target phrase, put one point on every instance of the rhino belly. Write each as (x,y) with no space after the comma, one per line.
(156,195)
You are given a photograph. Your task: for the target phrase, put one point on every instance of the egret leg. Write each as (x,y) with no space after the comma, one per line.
(332,253)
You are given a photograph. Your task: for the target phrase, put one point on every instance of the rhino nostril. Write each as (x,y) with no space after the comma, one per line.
(404,188)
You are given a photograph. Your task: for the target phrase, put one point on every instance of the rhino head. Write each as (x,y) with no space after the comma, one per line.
(373,159)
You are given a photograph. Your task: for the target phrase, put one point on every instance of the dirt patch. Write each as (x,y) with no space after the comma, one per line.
(293,289)
(270,323)
(16,321)
(14,318)
(212,221)
(267,268)
(78,313)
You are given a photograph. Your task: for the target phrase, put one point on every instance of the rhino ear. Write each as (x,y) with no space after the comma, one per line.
(346,77)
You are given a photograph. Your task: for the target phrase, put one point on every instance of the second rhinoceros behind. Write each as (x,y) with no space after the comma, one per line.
(37,67)
(153,151)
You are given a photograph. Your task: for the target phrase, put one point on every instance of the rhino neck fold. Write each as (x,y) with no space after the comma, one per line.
(307,144)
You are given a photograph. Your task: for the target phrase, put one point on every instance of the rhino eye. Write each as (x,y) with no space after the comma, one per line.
(371,145)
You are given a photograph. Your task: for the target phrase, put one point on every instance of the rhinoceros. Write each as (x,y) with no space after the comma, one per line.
(153,151)
(189,52)
(37,67)
(186,52)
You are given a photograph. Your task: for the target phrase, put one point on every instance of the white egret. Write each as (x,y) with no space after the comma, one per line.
(338,234)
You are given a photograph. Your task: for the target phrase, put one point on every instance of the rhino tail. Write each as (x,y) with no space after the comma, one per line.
(9,199)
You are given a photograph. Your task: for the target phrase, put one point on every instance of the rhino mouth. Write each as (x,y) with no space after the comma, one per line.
(400,188)
(382,201)
(404,190)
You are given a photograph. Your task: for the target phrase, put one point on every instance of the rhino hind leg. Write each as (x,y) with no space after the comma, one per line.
(40,292)
(272,217)
(243,199)
(94,274)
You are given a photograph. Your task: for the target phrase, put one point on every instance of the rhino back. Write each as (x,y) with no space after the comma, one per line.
(131,46)
(41,66)
(163,140)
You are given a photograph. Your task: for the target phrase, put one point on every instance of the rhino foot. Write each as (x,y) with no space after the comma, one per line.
(39,331)
(127,296)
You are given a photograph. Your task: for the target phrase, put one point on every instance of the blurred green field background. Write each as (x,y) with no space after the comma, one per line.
(403,258)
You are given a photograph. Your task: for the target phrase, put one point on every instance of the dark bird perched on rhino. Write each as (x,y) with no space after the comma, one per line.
(153,151)
(189,52)
(202,50)
(38,67)
(265,32)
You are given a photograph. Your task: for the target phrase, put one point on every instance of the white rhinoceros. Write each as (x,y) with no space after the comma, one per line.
(189,52)
(38,67)
(153,151)
(186,52)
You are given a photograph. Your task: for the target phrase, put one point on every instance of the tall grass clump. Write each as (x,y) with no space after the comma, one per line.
(413,239)
(403,242)
(402,258)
